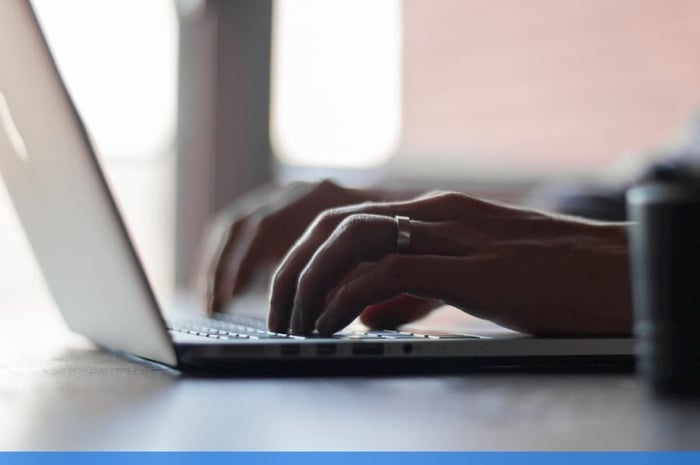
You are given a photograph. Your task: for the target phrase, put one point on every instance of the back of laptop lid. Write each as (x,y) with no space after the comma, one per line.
(62,200)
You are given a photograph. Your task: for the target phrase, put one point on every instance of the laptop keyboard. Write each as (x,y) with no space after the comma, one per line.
(233,327)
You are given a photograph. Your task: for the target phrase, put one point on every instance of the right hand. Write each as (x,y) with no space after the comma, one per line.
(527,270)
(257,231)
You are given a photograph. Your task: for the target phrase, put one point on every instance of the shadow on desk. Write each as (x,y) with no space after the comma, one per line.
(83,398)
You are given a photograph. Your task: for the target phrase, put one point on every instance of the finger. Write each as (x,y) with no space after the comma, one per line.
(425,276)
(225,235)
(284,282)
(392,312)
(252,209)
(359,238)
(221,283)
(397,311)
(216,266)
(252,254)
(277,230)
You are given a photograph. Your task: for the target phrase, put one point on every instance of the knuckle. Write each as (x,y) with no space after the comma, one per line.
(434,193)
(336,219)
(325,186)
(452,198)
(280,276)
(265,222)
(327,220)
(447,202)
(278,273)
(354,224)
(304,281)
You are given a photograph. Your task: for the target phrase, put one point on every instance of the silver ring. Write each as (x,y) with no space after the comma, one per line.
(403,234)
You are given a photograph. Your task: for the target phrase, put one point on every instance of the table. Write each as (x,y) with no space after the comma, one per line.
(57,391)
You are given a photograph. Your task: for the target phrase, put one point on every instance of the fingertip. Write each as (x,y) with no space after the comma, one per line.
(297,323)
(324,326)
(274,324)
(218,303)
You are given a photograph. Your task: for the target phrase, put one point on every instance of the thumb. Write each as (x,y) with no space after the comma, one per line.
(396,311)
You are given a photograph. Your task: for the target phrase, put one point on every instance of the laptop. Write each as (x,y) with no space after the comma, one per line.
(94,274)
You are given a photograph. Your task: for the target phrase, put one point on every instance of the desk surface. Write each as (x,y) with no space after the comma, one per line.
(59,392)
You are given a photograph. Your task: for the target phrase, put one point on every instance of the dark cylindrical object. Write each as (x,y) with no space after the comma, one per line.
(665,261)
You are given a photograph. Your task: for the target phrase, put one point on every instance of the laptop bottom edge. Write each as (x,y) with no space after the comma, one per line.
(191,364)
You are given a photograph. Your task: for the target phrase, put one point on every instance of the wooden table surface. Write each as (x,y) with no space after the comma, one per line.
(57,391)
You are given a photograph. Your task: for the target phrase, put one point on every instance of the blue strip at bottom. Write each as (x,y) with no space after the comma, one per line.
(349,458)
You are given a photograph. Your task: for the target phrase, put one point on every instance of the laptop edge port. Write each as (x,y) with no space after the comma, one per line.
(368,348)
(326,349)
(290,349)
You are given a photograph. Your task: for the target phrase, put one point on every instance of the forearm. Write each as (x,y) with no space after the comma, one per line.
(576,285)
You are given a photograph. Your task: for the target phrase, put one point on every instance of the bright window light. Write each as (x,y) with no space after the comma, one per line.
(119,61)
(336,85)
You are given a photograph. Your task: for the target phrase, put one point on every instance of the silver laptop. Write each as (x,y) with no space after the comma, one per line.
(94,274)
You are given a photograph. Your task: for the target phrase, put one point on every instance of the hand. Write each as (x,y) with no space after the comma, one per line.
(529,271)
(256,232)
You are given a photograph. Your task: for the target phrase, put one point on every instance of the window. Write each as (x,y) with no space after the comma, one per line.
(497,90)
(118,60)
(336,81)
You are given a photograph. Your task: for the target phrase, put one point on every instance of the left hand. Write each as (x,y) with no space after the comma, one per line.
(524,269)
(256,231)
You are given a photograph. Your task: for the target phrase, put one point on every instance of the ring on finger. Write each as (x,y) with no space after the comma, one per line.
(403,234)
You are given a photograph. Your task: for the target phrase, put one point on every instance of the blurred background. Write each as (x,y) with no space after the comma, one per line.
(193,103)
